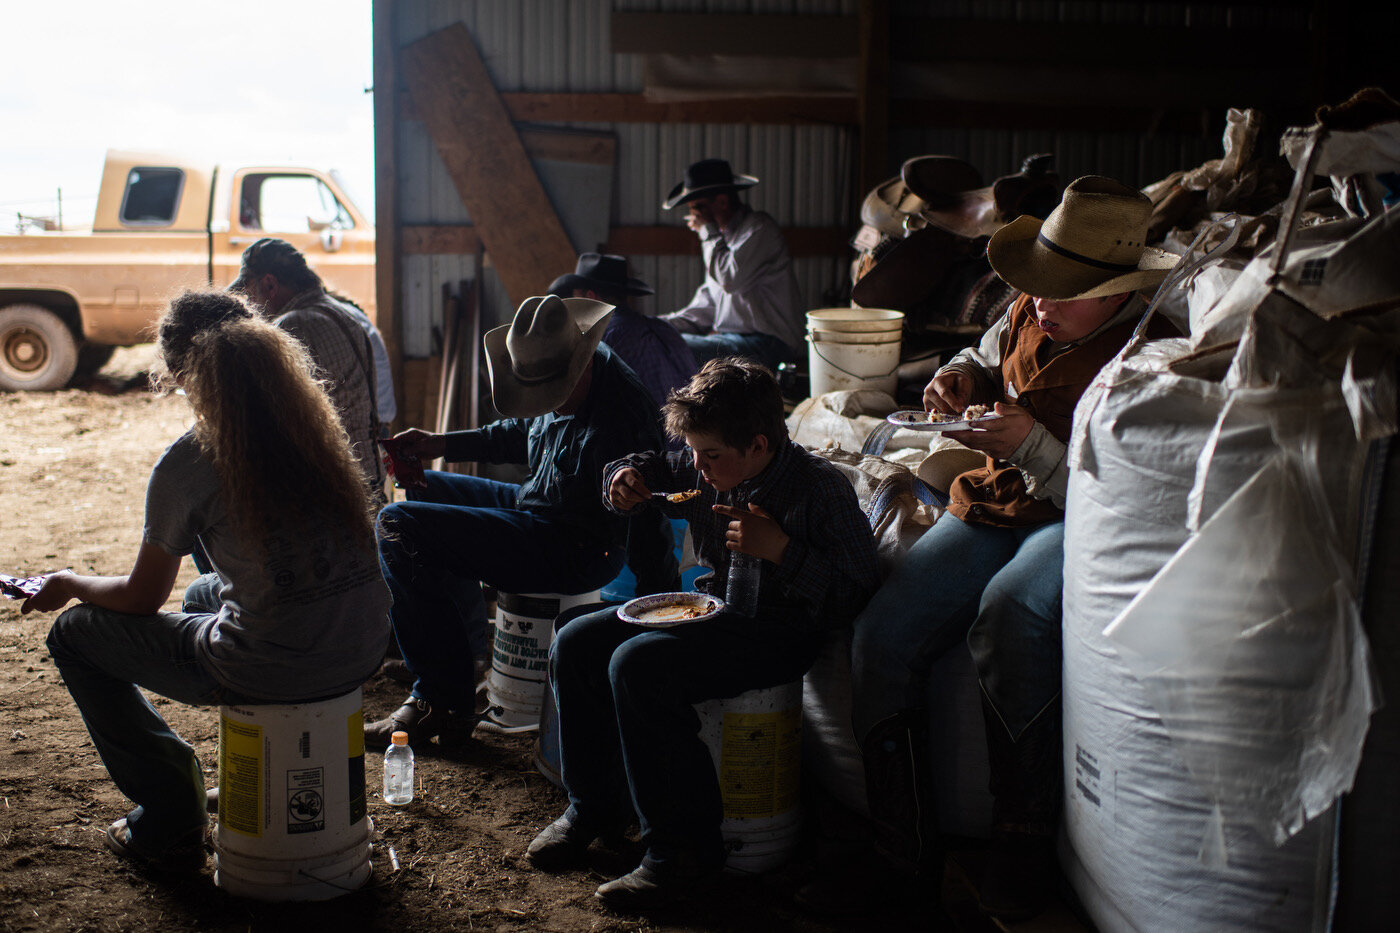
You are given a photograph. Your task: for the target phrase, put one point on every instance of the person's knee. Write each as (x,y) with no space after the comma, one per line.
(639,666)
(64,632)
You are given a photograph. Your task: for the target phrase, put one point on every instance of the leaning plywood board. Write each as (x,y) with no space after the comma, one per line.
(453,94)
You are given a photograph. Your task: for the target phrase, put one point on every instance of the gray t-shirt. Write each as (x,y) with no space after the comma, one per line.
(305,614)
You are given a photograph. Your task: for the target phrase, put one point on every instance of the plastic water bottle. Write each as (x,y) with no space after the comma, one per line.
(398,771)
(741,590)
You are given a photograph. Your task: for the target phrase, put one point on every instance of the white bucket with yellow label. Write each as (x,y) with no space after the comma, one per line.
(292,822)
(755,740)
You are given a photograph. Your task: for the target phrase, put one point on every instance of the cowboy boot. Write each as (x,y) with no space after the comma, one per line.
(1025,784)
(899,791)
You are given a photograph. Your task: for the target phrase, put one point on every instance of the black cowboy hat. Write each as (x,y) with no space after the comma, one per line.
(704,177)
(602,273)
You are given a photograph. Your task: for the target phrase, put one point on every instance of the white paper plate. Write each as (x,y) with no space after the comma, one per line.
(652,611)
(918,421)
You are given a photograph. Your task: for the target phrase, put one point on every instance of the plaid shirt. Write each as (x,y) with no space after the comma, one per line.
(653,349)
(341,351)
(828,570)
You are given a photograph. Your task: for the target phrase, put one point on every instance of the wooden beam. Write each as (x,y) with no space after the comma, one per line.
(1135,48)
(488,165)
(636,108)
(873,93)
(765,35)
(564,146)
(388,274)
(462,239)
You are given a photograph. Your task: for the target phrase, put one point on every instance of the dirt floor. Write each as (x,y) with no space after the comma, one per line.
(73,468)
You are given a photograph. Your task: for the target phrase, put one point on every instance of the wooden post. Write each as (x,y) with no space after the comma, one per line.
(388,271)
(873,92)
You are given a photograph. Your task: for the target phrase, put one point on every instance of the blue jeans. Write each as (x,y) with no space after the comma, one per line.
(436,551)
(997,587)
(627,726)
(103,657)
(765,348)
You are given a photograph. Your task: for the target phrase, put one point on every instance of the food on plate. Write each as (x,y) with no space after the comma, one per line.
(974,412)
(684,496)
(678,612)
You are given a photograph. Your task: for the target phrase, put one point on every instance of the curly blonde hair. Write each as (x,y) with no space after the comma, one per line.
(265,421)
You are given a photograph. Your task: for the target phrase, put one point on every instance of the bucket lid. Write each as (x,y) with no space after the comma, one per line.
(856,320)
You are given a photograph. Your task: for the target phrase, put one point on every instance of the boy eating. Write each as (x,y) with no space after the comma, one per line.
(625,693)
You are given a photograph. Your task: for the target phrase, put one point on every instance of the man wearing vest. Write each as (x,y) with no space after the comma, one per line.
(991,569)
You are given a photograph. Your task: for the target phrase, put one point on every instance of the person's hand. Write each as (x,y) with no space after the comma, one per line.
(754,532)
(627,489)
(415,442)
(54,593)
(948,392)
(700,216)
(998,438)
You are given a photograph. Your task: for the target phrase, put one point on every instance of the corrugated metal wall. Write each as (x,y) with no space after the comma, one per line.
(805,171)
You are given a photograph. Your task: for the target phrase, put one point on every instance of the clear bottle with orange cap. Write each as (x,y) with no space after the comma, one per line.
(398,771)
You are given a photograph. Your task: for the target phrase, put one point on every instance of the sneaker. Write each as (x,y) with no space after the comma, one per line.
(645,888)
(185,856)
(422,721)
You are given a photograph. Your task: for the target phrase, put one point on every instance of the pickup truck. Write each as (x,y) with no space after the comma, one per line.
(69,297)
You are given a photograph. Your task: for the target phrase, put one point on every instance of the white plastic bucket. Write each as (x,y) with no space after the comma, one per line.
(520,657)
(755,740)
(292,824)
(856,320)
(835,365)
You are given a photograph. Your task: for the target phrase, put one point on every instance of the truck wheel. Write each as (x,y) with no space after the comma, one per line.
(92,357)
(37,350)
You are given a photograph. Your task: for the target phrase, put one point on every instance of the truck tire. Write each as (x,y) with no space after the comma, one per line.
(91,358)
(37,350)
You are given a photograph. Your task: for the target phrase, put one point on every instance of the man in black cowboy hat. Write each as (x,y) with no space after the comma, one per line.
(571,407)
(653,348)
(749,304)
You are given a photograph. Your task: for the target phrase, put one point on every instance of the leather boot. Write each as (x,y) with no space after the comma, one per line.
(899,791)
(1025,782)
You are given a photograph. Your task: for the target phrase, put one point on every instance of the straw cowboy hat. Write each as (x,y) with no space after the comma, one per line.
(536,360)
(705,177)
(601,273)
(1091,246)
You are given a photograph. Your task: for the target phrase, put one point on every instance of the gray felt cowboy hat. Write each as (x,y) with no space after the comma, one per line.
(707,176)
(601,273)
(1091,246)
(535,361)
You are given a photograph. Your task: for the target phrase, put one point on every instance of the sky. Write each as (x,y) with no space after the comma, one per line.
(257,81)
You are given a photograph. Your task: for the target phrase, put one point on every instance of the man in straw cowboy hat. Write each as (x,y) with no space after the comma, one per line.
(990,571)
(749,304)
(571,407)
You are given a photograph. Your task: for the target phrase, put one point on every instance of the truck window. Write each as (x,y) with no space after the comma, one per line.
(152,196)
(289,204)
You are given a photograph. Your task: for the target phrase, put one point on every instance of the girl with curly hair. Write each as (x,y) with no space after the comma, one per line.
(296,609)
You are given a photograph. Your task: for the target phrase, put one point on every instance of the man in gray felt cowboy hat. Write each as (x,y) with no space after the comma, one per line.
(749,304)
(571,407)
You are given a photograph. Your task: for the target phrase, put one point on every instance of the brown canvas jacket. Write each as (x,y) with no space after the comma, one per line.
(996,493)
